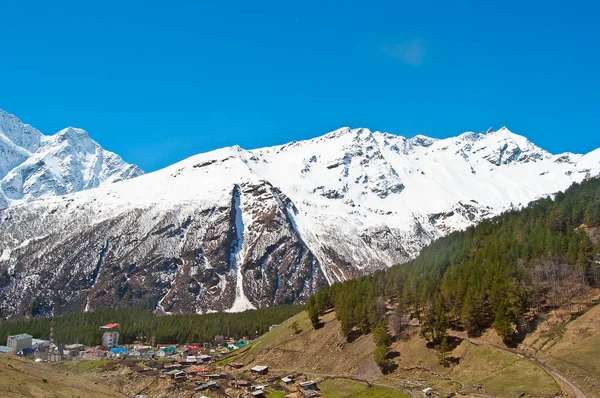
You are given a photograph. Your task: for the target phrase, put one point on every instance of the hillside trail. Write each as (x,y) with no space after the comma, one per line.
(414,393)
(553,373)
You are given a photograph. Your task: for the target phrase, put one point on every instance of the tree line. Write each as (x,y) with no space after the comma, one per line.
(145,326)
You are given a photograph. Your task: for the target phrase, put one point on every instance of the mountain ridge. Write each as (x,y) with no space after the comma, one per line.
(310,213)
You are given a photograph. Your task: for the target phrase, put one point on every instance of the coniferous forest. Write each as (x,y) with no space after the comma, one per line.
(501,273)
(144,326)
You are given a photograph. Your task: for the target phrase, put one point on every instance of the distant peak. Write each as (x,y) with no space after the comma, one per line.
(503,130)
(72,131)
(422,140)
(344,131)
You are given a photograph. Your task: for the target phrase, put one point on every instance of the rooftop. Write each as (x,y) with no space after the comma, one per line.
(110,326)
(5,350)
(40,341)
(21,336)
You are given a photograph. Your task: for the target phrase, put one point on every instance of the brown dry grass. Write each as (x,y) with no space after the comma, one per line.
(323,351)
(24,378)
(577,353)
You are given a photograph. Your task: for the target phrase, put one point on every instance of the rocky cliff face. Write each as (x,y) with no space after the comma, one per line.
(233,229)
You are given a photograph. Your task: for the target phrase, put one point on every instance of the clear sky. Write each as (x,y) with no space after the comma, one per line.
(157,82)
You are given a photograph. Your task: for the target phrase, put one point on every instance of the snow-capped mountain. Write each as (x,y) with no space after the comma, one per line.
(235,229)
(33,165)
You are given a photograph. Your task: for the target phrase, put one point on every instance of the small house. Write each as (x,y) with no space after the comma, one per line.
(260,369)
(235,365)
(287,380)
(176,374)
(216,376)
(203,358)
(211,385)
(241,383)
(258,393)
(40,344)
(198,369)
(308,385)
(73,350)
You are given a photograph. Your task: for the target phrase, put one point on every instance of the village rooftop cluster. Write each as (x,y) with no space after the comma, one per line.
(188,366)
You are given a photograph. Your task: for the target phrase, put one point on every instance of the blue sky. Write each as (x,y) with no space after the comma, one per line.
(157,82)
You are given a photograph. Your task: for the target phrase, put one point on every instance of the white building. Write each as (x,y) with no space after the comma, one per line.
(19,341)
(110,338)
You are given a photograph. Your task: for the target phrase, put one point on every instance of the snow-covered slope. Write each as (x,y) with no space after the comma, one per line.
(234,229)
(33,165)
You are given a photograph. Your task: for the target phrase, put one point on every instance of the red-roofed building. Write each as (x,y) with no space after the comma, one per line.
(110,326)
(110,338)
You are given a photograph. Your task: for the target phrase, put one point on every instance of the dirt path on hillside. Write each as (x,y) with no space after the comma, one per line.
(414,393)
(559,378)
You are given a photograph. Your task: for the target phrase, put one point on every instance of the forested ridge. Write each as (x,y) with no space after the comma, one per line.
(501,273)
(141,324)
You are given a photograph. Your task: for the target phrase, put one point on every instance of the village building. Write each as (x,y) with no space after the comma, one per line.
(19,341)
(287,380)
(211,385)
(260,370)
(204,358)
(176,374)
(39,344)
(6,349)
(142,349)
(235,365)
(216,376)
(308,385)
(110,338)
(241,384)
(73,350)
(196,369)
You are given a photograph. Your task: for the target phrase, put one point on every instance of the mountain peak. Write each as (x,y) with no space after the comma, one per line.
(34,165)
(73,132)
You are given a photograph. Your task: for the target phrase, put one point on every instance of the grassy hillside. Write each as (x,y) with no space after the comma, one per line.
(320,352)
(572,347)
(325,352)
(24,378)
